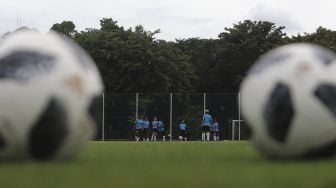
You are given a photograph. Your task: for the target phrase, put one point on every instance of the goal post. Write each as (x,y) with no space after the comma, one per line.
(234,124)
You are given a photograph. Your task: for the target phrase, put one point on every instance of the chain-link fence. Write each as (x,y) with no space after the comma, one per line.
(116,114)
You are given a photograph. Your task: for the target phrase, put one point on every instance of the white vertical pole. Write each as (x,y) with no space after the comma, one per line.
(239,131)
(103,119)
(239,113)
(136,105)
(233,132)
(171,117)
(204,102)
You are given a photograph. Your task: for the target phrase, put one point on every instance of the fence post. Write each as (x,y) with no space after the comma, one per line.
(136,105)
(239,112)
(171,117)
(233,131)
(204,102)
(103,118)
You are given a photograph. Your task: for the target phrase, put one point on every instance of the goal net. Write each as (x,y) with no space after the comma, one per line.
(239,130)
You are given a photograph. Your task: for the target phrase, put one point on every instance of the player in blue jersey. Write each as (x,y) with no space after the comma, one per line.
(138,128)
(145,130)
(155,125)
(183,131)
(206,123)
(215,130)
(161,129)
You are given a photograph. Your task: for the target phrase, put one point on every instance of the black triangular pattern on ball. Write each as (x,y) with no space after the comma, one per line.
(326,93)
(23,65)
(278,112)
(49,132)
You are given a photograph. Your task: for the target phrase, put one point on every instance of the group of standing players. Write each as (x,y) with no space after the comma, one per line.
(142,127)
(209,125)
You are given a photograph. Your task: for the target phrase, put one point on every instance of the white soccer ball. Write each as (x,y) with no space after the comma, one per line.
(48,86)
(289,102)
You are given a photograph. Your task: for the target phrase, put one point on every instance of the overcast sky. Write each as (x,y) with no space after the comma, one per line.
(175,18)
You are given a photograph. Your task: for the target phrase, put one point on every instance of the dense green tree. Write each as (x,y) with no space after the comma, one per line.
(134,61)
(66,27)
(239,47)
(321,36)
(109,25)
(202,58)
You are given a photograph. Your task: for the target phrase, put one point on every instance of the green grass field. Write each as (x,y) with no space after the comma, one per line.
(169,164)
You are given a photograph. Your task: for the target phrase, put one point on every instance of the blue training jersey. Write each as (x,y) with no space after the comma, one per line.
(212,127)
(146,124)
(215,127)
(183,126)
(207,120)
(155,124)
(138,123)
(161,126)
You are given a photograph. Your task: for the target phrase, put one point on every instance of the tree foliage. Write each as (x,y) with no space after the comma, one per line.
(239,47)
(202,59)
(66,27)
(133,60)
(321,36)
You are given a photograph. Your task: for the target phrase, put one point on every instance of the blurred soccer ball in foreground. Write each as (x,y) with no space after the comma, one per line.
(289,102)
(48,88)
